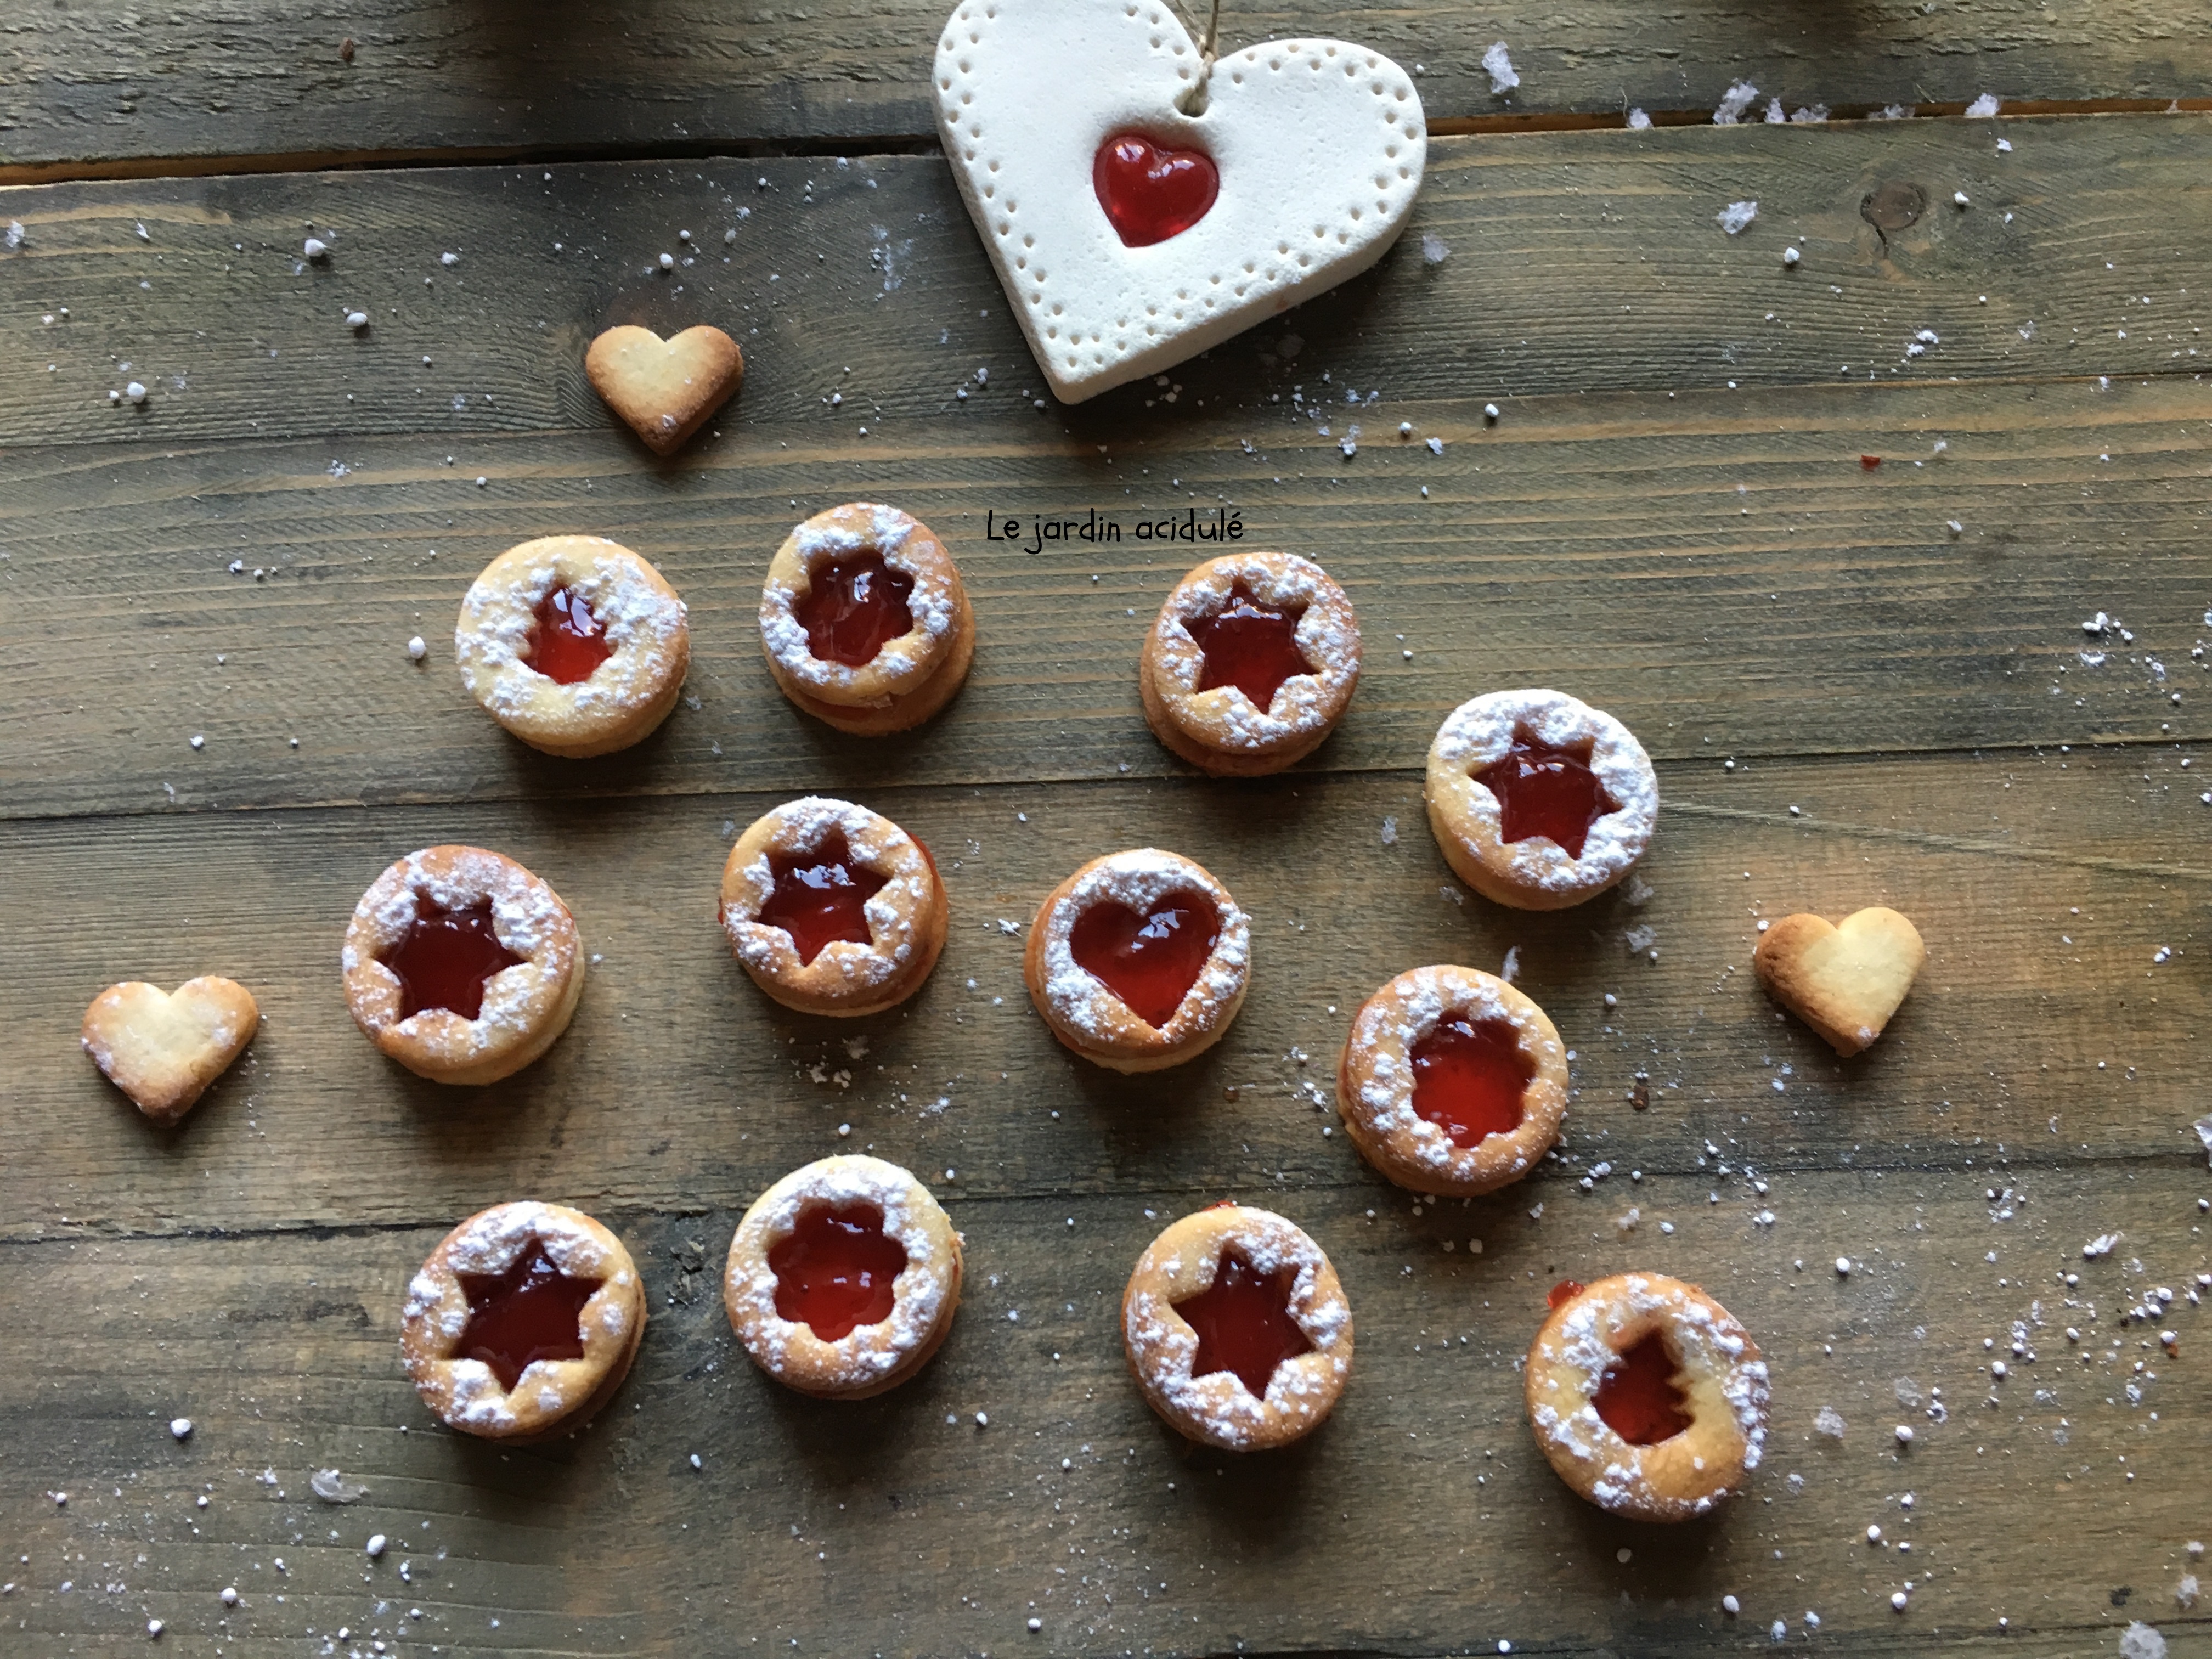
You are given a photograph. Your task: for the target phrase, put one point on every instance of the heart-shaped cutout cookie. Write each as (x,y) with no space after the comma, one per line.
(163,1048)
(1844,981)
(664,388)
(1316,147)
(1149,961)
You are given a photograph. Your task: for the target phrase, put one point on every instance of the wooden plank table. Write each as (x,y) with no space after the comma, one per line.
(1860,685)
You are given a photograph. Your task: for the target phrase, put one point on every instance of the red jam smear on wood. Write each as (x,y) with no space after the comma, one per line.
(1638,1399)
(567,644)
(836,1269)
(821,896)
(1563,1292)
(1243,1324)
(1151,961)
(854,607)
(529,1312)
(1469,1078)
(447,959)
(1150,191)
(1249,646)
(1545,791)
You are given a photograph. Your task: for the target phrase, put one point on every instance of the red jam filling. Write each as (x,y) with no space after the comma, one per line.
(1249,646)
(854,607)
(1543,791)
(447,959)
(1150,192)
(1151,961)
(567,644)
(1243,1324)
(1469,1078)
(821,896)
(529,1312)
(1563,1292)
(1638,1399)
(835,1270)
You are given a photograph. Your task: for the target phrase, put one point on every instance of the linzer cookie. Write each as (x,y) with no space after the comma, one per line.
(864,620)
(1646,1396)
(665,389)
(164,1047)
(523,1322)
(575,644)
(1141,202)
(1138,961)
(461,965)
(1539,801)
(843,1278)
(1842,979)
(1250,664)
(1452,1081)
(832,908)
(1236,1329)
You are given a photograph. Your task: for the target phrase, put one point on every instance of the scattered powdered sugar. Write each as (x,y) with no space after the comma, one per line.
(893,910)
(1828,1421)
(499,618)
(1498,63)
(1482,730)
(1219,1402)
(1736,99)
(934,603)
(1139,879)
(1326,636)
(1737,216)
(1982,107)
(334,1488)
(2140,1641)
(867,1352)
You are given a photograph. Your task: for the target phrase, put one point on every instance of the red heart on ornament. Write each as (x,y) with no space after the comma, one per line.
(1150,961)
(1150,192)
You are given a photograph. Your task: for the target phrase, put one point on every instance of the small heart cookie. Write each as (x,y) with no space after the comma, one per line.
(1844,981)
(163,1050)
(664,388)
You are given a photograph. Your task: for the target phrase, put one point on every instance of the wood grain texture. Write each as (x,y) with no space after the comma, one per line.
(1579,262)
(2053,1036)
(1420,1520)
(93,82)
(1718,569)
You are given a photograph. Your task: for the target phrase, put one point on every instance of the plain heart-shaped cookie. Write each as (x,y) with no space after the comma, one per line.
(1844,981)
(163,1048)
(664,388)
(1318,146)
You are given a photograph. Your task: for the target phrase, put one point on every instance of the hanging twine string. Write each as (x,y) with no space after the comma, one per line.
(1194,98)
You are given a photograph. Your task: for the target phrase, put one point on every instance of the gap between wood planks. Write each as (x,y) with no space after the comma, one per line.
(902,144)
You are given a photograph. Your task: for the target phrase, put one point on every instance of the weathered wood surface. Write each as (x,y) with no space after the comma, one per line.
(99,83)
(1910,712)
(816,1528)
(1579,262)
(679,1084)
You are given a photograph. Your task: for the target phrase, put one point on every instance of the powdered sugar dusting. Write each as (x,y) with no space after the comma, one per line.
(1218,1405)
(894,911)
(1139,879)
(527,917)
(642,624)
(1481,730)
(464,1392)
(1327,636)
(868,1353)
(934,603)
(1714,1356)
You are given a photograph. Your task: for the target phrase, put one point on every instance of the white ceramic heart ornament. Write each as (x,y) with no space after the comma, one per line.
(1318,148)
